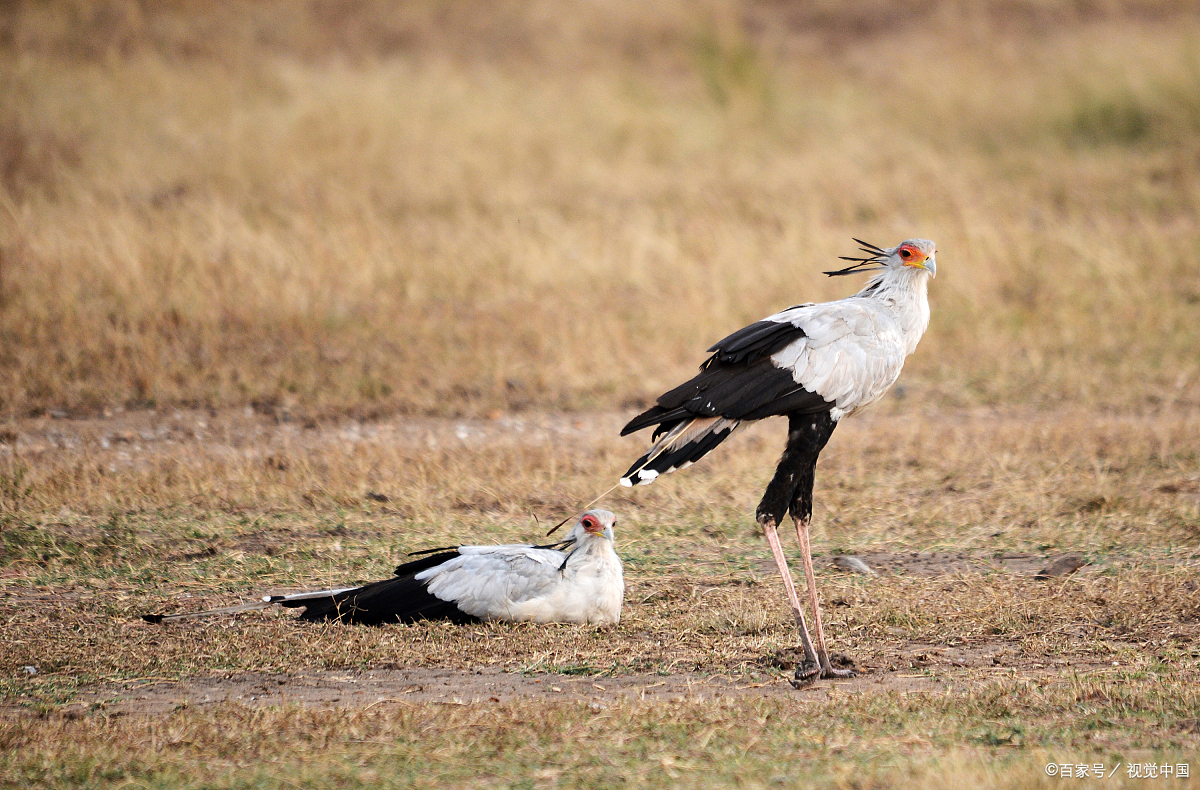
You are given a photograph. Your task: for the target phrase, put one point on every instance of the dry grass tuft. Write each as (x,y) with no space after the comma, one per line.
(358,207)
(710,743)
(973,667)
(319,284)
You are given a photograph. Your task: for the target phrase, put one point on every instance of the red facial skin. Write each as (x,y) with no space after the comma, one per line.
(592,526)
(911,255)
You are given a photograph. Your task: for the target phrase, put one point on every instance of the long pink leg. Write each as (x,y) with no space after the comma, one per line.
(772,534)
(810,581)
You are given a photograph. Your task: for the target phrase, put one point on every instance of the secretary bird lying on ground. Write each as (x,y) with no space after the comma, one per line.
(814,363)
(582,583)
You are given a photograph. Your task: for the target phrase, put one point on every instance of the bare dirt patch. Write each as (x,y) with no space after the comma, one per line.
(411,686)
(948,563)
(276,504)
(454,687)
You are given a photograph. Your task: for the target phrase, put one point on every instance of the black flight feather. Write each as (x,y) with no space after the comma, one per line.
(401,599)
(735,392)
(762,338)
(432,551)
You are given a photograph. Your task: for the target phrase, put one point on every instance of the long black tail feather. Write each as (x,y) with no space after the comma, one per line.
(652,416)
(401,599)
(671,454)
(397,600)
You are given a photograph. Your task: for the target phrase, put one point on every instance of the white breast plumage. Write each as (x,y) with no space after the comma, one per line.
(851,352)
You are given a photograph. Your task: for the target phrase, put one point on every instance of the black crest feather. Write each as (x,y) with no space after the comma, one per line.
(874,255)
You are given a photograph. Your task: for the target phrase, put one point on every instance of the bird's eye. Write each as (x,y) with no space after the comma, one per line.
(588,522)
(906,254)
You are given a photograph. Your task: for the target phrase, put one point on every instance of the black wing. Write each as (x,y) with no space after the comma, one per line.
(739,382)
(401,599)
(762,338)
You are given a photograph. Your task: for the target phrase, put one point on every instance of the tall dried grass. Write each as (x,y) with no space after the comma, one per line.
(460,208)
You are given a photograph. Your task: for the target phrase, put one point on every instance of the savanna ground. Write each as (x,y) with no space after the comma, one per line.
(288,290)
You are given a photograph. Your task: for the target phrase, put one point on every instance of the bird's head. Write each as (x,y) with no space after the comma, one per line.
(598,523)
(913,255)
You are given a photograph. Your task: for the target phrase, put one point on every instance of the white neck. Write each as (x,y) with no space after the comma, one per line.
(593,547)
(905,291)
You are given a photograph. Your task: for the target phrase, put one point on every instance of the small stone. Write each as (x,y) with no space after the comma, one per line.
(852,564)
(1062,566)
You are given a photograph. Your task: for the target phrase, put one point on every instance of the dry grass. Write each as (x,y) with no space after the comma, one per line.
(111,518)
(444,210)
(711,744)
(259,251)
(1025,480)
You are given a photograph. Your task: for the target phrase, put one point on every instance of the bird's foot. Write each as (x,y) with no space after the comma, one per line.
(836,666)
(839,665)
(829,673)
(807,673)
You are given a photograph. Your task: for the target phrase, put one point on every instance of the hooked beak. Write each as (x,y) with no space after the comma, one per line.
(929,264)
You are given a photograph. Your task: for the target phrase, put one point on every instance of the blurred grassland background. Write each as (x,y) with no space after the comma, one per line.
(458,208)
(508,211)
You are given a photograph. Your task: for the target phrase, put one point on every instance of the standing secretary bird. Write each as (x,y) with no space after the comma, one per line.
(582,583)
(814,363)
